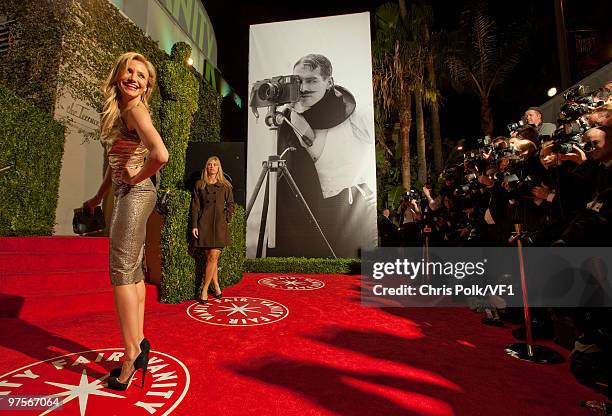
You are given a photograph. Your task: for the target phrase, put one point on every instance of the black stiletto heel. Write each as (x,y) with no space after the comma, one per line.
(202,301)
(139,364)
(218,295)
(145,348)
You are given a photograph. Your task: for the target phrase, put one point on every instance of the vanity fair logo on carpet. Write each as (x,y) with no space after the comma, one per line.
(238,311)
(292,283)
(79,379)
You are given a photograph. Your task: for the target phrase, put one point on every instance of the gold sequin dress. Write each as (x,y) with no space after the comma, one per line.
(133,205)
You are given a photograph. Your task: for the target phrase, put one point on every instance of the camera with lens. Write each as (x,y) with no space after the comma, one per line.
(519,186)
(516,126)
(484,142)
(451,174)
(411,195)
(579,100)
(472,177)
(462,190)
(568,135)
(573,110)
(576,93)
(279,90)
(508,152)
(566,146)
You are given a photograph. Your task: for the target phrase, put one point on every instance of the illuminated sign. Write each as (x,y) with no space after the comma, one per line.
(193,19)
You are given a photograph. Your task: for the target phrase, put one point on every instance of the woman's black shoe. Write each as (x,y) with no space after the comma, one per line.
(145,348)
(218,295)
(139,364)
(202,301)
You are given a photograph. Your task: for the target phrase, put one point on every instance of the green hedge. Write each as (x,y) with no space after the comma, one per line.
(231,261)
(179,91)
(178,267)
(206,124)
(303,265)
(30,64)
(34,144)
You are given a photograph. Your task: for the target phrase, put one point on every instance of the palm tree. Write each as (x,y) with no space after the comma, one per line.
(392,63)
(480,62)
(416,21)
(432,97)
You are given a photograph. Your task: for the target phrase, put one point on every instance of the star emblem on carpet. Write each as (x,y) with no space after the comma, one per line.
(292,283)
(238,311)
(81,391)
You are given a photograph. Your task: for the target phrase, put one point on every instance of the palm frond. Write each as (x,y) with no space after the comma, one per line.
(484,42)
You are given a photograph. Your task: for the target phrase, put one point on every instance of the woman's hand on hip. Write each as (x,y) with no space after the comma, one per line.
(195,232)
(129,174)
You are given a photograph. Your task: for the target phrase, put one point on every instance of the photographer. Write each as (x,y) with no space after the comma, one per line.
(560,193)
(470,228)
(411,215)
(498,225)
(330,168)
(533,116)
(592,225)
(523,172)
(450,181)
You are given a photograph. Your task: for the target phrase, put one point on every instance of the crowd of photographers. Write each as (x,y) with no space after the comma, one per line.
(555,181)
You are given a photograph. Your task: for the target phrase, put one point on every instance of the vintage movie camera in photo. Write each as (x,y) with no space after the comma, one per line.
(572,123)
(273,92)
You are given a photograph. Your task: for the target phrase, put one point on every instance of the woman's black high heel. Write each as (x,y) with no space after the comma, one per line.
(218,295)
(139,364)
(145,348)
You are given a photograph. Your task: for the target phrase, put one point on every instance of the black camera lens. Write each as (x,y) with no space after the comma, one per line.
(588,147)
(515,126)
(269,91)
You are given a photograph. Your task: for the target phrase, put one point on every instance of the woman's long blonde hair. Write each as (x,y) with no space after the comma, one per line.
(110,91)
(220,176)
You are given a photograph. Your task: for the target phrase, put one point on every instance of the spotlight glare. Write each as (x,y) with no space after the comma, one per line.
(190,61)
(552,92)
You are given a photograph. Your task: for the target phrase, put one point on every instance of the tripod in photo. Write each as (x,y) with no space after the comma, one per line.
(271,167)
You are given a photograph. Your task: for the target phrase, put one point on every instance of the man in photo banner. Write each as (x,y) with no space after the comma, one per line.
(330,165)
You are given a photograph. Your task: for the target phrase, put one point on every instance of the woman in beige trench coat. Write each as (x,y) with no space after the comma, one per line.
(212,207)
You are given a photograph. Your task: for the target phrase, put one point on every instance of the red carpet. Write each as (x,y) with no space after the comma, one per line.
(261,350)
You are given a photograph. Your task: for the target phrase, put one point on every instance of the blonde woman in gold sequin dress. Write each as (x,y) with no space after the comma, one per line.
(135,152)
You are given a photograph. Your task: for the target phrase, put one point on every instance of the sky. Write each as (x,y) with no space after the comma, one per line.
(460,117)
